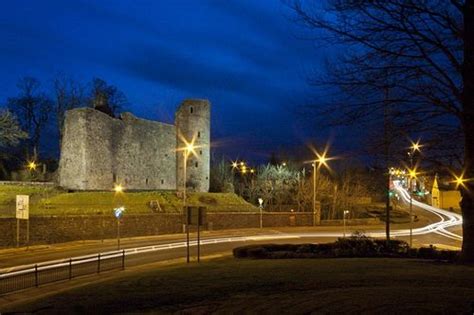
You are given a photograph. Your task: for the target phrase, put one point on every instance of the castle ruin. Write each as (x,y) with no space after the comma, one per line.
(99,151)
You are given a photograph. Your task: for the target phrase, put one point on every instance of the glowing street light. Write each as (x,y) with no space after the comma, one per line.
(118,188)
(189,148)
(415,146)
(32,166)
(460,180)
(321,160)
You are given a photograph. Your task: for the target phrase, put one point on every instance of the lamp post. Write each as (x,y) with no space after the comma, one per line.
(344,221)
(314,193)
(118,211)
(260,202)
(415,147)
(321,160)
(188,148)
(412,173)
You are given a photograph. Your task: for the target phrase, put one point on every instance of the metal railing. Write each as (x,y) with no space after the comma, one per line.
(35,275)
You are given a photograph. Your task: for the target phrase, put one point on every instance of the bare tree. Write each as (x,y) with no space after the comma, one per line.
(106,98)
(68,94)
(33,108)
(422,53)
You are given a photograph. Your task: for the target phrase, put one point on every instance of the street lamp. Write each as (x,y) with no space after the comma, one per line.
(344,221)
(189,148)
(260,202)
(32,166)
(460,180)
(415,147)
(321,159)
(118,210)
(118,188)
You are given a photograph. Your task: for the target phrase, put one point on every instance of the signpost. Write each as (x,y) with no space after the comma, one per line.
(118,212)
(194,216)
(22,213)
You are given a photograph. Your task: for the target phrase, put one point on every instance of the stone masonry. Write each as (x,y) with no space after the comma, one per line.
(99,151)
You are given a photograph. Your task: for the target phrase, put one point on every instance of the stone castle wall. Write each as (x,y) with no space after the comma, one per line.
(193,125)
(99,151)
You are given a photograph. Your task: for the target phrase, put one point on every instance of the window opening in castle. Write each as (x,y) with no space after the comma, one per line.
(162,181)
(199,134)
(191,109)
(196,164)
(200,152)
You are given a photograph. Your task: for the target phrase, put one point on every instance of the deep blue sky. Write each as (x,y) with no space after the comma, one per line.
(244,56)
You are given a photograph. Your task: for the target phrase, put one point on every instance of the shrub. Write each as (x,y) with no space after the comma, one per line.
(357,245)
(396,247)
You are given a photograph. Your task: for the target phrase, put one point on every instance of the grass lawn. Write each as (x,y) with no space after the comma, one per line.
(53,201)
(278,286)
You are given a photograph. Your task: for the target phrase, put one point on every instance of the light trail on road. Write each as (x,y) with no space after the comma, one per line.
(447,218)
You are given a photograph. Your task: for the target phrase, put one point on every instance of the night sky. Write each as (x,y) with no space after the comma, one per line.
(246,57)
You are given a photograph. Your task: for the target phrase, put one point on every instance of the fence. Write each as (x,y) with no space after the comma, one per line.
(64,269)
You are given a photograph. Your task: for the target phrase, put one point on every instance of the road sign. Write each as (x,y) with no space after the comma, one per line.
(118,212)
(196,215)
(22,207)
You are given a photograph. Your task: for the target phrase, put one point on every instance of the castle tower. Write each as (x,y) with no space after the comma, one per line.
(193,124)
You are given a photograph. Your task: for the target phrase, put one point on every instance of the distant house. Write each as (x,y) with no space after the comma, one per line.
(444,195)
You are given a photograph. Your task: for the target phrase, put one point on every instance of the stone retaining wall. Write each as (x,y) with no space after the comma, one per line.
(58,229)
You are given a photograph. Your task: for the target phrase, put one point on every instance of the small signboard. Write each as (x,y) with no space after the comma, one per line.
(22,207)
(118,212)
(196,215)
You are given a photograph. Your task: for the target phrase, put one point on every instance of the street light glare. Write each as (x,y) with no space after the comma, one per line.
(118,188)
(415,146)
(32,165)
(412,173)
(460,180)
(322,159)
(189,146)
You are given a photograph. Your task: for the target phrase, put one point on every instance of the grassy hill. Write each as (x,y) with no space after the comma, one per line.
(53,201)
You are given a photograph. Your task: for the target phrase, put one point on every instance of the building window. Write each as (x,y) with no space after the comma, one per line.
(200,152)
(191,109)
(196,164)
(114,177)
(199,134)
(162,181)
(146,181)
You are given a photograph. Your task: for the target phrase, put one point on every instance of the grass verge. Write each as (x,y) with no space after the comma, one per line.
(357,285)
